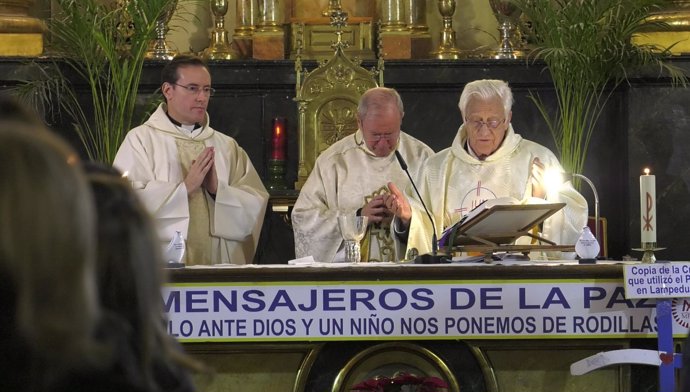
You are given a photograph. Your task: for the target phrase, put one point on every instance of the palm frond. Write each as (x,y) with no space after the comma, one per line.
(104,44)
(587,46)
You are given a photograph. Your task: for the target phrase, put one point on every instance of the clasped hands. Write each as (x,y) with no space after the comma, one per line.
(202,173)
(383,208)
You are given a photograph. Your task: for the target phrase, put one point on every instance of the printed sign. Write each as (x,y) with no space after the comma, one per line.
(319,311)
(663,280)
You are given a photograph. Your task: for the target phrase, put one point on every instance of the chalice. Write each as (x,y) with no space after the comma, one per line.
(160,49)
(507,15)
(352,228)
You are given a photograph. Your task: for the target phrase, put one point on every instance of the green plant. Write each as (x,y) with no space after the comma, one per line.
(103,43)
(588,48)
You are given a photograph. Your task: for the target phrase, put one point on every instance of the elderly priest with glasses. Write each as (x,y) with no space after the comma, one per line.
(487,160)
(192,178)
(350,178)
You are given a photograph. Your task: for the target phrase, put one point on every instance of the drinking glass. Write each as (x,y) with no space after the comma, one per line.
(352,229)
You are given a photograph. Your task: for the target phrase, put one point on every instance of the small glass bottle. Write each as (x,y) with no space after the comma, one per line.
(174,252)
(587,247)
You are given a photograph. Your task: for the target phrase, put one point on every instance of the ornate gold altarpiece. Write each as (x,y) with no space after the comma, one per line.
(327,97)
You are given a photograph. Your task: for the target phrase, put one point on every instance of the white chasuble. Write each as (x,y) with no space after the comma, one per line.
(156,156)
(454,182)
(345,177)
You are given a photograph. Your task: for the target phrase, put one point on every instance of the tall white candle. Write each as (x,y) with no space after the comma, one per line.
(647,207)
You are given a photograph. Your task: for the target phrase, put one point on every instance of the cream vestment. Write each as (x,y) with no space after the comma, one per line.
(156,156)
(345,177)
(454,182)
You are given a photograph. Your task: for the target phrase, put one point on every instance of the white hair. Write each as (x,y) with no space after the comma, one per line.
(486,89)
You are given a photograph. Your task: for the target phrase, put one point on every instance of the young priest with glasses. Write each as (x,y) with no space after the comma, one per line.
(192,178)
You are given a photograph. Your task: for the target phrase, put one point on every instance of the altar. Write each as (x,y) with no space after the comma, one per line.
(324,327)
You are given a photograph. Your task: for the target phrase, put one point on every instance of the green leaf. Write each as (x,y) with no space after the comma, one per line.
(588,48)
(104,44)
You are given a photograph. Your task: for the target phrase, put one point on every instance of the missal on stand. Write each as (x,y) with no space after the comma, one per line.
(496,224)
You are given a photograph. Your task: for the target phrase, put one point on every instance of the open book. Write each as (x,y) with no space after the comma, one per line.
(498,222)
(486,204)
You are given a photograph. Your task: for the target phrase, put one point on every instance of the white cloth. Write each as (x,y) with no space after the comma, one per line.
(454,182)
(344,178)
(149,156)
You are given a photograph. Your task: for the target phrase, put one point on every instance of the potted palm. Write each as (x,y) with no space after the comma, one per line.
(588,48)
(103,43)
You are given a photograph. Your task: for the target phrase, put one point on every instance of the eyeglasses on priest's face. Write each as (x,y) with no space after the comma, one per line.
(377,137)
(196,89)
(491,123)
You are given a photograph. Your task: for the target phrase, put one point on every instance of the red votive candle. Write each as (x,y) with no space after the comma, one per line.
(279,137)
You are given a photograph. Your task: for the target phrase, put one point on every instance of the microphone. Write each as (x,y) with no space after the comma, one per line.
(423,259)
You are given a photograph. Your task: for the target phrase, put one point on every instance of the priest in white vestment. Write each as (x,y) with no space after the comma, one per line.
(192,178)
(351,177)
(487,160)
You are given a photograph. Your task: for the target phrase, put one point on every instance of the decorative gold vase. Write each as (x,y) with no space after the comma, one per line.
(160,50)
(219,48)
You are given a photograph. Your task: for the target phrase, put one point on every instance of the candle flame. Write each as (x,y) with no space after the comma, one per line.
(646,171)
(278,131)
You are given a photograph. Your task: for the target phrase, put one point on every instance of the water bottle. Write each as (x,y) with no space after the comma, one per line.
(587,247)
(174,252)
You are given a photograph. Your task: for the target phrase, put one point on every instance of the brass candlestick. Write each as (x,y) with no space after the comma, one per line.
(447,50)
(648,255)
(648,249)
(220,48)
(160,50)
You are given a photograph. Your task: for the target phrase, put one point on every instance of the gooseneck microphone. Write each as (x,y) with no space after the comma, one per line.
(434,242)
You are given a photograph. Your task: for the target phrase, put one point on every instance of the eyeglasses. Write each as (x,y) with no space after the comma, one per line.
(195,90)
(491,124)
(376,137)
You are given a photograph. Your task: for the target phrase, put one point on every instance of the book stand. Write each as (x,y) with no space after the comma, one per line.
(496,228)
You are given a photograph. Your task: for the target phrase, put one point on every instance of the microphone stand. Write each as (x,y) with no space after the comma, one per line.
(434,257)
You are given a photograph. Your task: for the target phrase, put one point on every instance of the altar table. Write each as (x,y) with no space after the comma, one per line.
(324,327)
